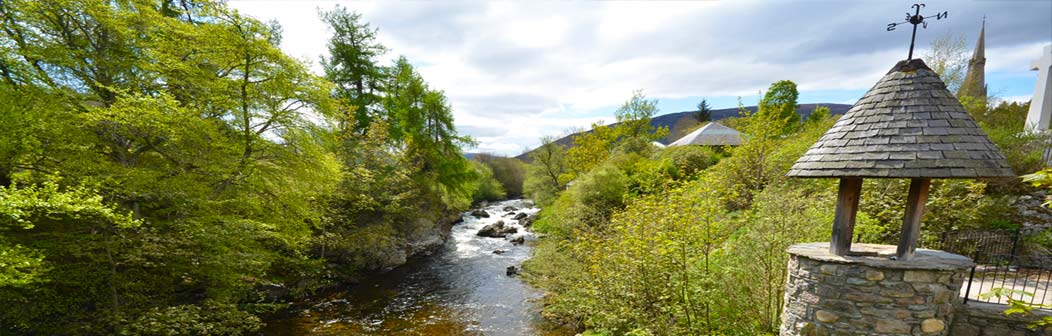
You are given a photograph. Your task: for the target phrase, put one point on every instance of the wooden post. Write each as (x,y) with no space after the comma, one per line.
(911,223)
(844,222)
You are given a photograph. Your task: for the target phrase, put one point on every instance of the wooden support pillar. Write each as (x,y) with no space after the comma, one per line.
(844,222)
(911,223)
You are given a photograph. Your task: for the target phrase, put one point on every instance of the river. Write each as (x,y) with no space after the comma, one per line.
(460,290)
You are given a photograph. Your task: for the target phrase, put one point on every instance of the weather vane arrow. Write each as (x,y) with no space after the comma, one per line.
(916,19)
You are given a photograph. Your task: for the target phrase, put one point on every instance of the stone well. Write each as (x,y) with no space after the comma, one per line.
(868,293)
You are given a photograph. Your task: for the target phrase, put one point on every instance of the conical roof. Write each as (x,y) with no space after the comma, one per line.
(907,125)
(712,134)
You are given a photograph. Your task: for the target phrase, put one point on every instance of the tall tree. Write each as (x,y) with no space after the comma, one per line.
(422,120)
(704,112)
(352,63)
(779,103)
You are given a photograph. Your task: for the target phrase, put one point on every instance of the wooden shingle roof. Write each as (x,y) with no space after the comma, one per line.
(907,125)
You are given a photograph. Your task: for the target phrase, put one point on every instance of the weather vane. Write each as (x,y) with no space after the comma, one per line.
(916,19)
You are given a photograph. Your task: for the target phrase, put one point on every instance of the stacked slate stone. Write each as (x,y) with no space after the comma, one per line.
(907,126)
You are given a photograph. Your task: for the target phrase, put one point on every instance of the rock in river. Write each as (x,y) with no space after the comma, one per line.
(521,215)
(518,240)
(511,270)
(480,213)
(497,230)
(510,208)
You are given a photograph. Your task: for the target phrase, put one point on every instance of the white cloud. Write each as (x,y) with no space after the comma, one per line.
(529,69)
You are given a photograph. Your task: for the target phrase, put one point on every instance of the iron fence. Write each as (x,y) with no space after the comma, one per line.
(965,242)
(1019,274)
(1002,261)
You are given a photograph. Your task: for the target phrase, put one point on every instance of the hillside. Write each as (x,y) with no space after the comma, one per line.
(685,120)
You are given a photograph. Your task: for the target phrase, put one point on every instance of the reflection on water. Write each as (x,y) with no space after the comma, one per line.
(462,290)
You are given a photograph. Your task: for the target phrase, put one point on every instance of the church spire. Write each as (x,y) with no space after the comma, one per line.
(975,80)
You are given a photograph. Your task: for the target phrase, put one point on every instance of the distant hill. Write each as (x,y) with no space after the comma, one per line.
(678,121)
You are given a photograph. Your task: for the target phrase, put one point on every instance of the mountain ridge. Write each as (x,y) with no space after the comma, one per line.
(674,121)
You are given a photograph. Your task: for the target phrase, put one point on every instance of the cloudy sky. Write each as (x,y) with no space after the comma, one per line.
(516,71)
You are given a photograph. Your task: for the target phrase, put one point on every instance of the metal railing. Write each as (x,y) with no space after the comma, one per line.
(1000,263)
(1016,273)
(966,242)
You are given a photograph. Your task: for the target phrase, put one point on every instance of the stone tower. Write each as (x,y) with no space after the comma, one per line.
(974,84)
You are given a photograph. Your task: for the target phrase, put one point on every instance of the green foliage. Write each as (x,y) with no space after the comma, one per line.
(678,263)
(1022,148)
(547,166)
(818,115)
(779,105)
(352,64)
(159,164)
(510,172)
(486,188)
(193,320)
(1021,307)
(952,205)
(593,148)
(763,158)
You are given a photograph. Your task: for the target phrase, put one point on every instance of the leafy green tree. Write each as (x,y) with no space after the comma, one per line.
(423,120)
(352,64)
(547,165)
(779,104)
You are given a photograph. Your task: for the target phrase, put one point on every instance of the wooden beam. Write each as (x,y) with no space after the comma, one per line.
(911,223)
(844,222)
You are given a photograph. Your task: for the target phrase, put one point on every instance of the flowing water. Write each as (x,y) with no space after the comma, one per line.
(461,290)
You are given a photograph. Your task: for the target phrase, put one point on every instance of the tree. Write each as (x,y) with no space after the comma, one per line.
(704,112)
(422,120)
(633,118)
(352,63)
(195,130)
(817,115)
(547,166)
(510,172)
(948,57)
(633,121)
(779,103)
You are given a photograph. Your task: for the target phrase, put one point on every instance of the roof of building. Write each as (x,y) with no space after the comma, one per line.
(907,125)
(712,134)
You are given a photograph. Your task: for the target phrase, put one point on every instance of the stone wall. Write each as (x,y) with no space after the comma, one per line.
(986,319)
(870,295)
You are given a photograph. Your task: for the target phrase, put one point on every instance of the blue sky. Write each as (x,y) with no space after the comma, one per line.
(516,71)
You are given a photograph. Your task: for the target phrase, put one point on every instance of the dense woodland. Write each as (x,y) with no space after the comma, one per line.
(691,240)
(164,167)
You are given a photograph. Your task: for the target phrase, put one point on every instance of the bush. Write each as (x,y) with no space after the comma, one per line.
(510,172)
(486,187)
(587,204)
(194,320)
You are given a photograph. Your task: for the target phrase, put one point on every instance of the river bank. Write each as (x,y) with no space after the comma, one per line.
(461,289)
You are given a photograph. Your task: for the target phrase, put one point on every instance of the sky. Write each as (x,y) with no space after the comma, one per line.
(515,71)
